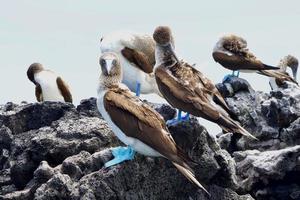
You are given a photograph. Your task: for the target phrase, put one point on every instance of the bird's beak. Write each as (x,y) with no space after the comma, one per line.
(171,49)
(294,71)
(106,67)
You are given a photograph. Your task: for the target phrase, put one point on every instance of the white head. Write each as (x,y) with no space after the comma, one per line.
(111,72)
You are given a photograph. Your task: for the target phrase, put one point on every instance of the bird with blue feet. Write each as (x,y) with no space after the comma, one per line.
(135,123)
(232,53)
(187,89)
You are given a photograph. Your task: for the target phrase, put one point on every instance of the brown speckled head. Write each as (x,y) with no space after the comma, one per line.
(162,35)
(33,69)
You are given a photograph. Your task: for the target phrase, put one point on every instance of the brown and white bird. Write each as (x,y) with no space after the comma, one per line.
(135,123)
(48,85)
(136,53)
(187,89)
(279,77)
(232,53)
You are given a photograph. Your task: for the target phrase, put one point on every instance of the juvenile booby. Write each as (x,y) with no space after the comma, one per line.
(135,123)
(48,86)
(187,89)
(136,53)
(278,77)
(232,53)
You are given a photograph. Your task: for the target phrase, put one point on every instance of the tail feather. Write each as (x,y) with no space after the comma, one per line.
(190,176)
(269,67)
(230,125)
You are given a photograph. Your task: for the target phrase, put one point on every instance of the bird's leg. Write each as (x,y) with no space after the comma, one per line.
(229,76)
(120,154)
(138,89)
(179,118)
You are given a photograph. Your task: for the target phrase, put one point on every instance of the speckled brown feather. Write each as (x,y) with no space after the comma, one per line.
(189,90)
(138,58)
(64,90)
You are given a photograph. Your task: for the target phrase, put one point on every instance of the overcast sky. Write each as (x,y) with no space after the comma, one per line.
(64,36)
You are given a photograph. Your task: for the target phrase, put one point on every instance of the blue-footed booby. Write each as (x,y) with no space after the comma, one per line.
(279,77)
(135,123)
(136,53)
(48,85)
(232,53)
(188,89)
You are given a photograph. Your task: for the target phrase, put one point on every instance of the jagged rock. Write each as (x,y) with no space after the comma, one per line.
(88,107)
(266,173)
(63,154)
(266,116)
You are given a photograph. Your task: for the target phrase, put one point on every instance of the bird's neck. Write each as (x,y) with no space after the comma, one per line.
(163,56)
(106,82)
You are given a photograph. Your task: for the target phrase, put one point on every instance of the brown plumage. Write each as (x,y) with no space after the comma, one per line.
(139,121)
(281,75)
(189,90)
(232,53)
(139,59)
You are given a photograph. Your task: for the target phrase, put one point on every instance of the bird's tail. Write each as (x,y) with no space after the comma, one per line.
(278,75)
(269,67)
(229,125)
(190,176)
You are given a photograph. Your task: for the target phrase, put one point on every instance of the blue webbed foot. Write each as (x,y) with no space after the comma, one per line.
(179,119)
(138,89)
(229,76)
(120,154)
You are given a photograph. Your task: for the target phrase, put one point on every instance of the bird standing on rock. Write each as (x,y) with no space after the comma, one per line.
(48,86)
(135,123)
(278,77)
(187,89)
(136,53)
(232,53)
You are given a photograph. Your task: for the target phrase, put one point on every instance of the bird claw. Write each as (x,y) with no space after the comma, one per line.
(120,154)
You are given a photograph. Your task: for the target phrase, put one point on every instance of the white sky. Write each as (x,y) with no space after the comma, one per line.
(64,36)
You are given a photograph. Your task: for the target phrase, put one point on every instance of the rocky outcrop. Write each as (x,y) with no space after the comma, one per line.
(56,151)
(268,168)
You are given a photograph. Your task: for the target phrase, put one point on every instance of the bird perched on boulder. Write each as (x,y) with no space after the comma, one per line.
(48,85)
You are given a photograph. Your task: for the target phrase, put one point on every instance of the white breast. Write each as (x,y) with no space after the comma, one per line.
(47,81)
(136,144)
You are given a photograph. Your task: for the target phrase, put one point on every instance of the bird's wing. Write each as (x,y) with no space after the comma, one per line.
(38,92)
(138,58)
(64,90)
(239,62)
(278,75)
(140,121)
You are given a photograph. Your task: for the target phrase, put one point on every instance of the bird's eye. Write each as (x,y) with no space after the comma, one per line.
(101,39)
(114,62)
(102,62)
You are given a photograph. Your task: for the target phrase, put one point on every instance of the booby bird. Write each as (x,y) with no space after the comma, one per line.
(232,53)
(135,123)
(188,89)
(136,53)
(48,86)
(278,77)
